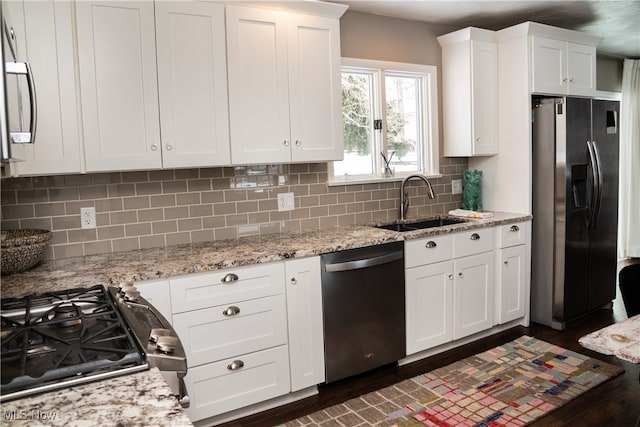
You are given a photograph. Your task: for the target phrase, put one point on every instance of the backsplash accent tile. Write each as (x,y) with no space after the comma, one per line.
(147,209)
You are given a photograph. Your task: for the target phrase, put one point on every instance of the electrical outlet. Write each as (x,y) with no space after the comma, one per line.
(88,217)
(456,186)
(286,202)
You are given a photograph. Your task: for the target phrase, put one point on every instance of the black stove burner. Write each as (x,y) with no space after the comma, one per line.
(53,336)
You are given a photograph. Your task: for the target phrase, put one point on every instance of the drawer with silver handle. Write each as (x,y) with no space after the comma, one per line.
(473,242)
(513,234)
(428,250)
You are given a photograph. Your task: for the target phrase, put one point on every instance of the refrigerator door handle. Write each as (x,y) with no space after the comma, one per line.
(598,203)
(595,187)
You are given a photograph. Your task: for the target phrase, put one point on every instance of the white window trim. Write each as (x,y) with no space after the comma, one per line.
(430,161)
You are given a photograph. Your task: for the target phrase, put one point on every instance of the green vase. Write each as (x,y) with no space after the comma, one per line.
(472,190)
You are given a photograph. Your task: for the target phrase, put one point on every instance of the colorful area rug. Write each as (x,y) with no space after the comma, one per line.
(510,385)
(621,339)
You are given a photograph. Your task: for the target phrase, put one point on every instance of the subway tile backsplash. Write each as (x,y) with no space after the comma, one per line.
(145,209)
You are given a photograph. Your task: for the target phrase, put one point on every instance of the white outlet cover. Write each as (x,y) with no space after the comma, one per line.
(456,186)
(286,202)
(88,217)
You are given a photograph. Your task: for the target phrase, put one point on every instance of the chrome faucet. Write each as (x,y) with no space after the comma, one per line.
(404,195)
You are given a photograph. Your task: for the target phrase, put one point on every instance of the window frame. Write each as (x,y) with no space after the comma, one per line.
(429,148)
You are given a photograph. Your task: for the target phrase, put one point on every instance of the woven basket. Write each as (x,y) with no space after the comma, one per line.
(23,249)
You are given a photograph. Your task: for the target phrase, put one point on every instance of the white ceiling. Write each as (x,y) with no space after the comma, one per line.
(616,21)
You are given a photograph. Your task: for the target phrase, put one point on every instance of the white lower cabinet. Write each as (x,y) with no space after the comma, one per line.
(235,382)
(452,297)
(304,316)
(157,293)
(514,270)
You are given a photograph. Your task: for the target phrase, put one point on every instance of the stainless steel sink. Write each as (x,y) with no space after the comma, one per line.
(419,225)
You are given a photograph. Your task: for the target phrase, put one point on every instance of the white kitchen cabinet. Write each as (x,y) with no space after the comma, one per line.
(233,383)
(157,293)
(562,68)
(470,92)
(43,32)
(450,295)
(192,82)
(119,85)
(513,267)
(304,318)
(284,86)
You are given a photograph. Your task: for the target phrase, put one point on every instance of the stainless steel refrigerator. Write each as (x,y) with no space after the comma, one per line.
(575,207)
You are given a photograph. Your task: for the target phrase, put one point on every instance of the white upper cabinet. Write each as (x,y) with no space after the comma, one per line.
(562,68)
(192,80)
(470,92)
(284,86)
(118,82)
(43,36)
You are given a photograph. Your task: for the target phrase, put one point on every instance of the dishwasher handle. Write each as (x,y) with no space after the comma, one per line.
(364,263)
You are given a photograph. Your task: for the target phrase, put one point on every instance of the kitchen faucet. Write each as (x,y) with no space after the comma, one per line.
(404,195)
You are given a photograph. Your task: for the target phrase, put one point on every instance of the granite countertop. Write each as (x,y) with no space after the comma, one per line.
(143,398)
(159,263)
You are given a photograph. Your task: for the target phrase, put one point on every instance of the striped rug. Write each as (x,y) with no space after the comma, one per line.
(510,385)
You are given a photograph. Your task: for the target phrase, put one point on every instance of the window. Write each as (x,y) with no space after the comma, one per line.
(388,108)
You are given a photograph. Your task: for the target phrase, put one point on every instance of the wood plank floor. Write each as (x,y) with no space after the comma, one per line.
(614,403)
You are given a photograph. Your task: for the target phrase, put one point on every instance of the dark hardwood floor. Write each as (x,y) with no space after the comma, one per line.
(614,403)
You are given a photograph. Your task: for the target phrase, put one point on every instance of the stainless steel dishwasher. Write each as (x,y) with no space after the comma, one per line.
(363,309)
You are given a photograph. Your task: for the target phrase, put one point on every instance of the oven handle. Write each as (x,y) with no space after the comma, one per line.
(363,263)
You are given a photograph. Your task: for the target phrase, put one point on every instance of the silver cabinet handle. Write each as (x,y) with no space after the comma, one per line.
(24,68)
(232,310)
(286,142)
(460,275)
(169,147)
(294,281)
(235,365)
(298,142)
(154,147)
(230,278)
(514,228)
(475,236)
(430,244)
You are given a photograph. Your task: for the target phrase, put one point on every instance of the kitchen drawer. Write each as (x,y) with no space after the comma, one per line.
(473,242)
(215,388)
(227,286)
(513,234)
(428,250)
(209,334)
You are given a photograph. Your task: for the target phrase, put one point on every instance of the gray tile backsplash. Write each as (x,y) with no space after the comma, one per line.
(145,209)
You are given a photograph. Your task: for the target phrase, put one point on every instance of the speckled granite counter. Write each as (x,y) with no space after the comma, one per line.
(140,399)
(186,259)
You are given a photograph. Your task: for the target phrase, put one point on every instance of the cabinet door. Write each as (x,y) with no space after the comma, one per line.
(304,316)
(315,92)
(473,294)
(581,69)
(511,283)
(549,66)
(192,79)
(157,293)
(44,37)
(484,83)
(118,84)
(258,85)
(429,299)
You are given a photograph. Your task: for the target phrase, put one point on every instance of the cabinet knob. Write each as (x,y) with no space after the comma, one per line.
(430,244)
(231,311)
(286,142)
(506,263)
(451,277)
(514,228)
(571,80)
(169,147)
(298,143)
(294,281)
(475,236)
(230,278)
(477,139)
(564,80)
(235,365)
(154,147)
(460,275)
